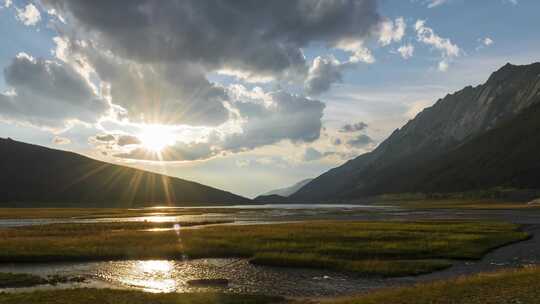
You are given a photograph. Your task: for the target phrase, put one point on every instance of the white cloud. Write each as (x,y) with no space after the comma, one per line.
(484,43)
(435,3)
(392,31)
(7,4)
(48,94)
(359,53)
(428,36)
(406,51)
(29,16)
(443,65)
(487,41)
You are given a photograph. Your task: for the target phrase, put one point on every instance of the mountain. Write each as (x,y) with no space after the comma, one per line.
(427,153)
(507,156)
(288,190)
(37,176)
(272,198)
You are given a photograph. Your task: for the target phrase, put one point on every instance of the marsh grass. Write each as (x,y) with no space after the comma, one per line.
(503,287)
(368,248)
(108,296)
(16,280)
(465,205)
(13,280)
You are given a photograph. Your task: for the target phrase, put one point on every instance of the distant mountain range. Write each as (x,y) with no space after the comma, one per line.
(285,192)
(477,138)
(35,176)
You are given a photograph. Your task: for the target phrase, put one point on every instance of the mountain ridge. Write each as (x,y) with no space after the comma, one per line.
(287,191)
(451,121)
(34,175)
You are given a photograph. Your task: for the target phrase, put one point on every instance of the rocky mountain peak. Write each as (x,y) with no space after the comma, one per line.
(450,122)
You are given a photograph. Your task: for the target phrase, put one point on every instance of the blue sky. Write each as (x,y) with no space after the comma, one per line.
(273,124)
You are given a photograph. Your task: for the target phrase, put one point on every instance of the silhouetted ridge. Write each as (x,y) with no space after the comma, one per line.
(38,176)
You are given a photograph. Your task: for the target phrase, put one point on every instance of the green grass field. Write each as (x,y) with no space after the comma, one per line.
(108,296)
(368,248)
(504,287)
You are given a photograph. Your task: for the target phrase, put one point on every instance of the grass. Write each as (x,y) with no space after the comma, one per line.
(108,296)
(459,204)
(369,248)
(16,280)
(11,280)
(503,287)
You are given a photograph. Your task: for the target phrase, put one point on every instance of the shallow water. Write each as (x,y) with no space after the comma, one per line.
(246,214)
(172,276)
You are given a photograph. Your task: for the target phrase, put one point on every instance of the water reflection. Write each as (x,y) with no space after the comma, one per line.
(173,276)
(151,276)
(153,267)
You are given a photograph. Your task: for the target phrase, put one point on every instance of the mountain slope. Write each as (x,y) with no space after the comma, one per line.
(288,190)
(435,131)
(38,176)
(506,156)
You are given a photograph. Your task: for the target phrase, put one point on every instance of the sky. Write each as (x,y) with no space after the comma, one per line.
(246,96)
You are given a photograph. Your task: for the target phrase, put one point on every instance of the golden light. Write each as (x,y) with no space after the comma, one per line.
(151,276)
(156,137)
(155,266)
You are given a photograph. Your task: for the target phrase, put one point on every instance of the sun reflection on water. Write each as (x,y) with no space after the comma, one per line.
(152,276)
(158,218)
(155,266)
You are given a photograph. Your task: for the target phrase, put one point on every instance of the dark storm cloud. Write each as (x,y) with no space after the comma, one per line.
(174,93)
(350,128)
(48,94)
(360,141)
(251,35)
(291,117)
(152,59)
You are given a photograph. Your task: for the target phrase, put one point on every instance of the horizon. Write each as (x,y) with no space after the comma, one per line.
(243,118)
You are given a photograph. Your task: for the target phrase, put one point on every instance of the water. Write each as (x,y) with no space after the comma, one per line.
(172,276)
(242,214)
(276,206)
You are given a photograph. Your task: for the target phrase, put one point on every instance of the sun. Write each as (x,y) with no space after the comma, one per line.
(156,137)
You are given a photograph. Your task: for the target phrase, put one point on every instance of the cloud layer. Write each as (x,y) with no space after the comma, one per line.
(48,94)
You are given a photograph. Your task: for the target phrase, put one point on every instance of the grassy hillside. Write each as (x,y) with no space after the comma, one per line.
(37,176)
